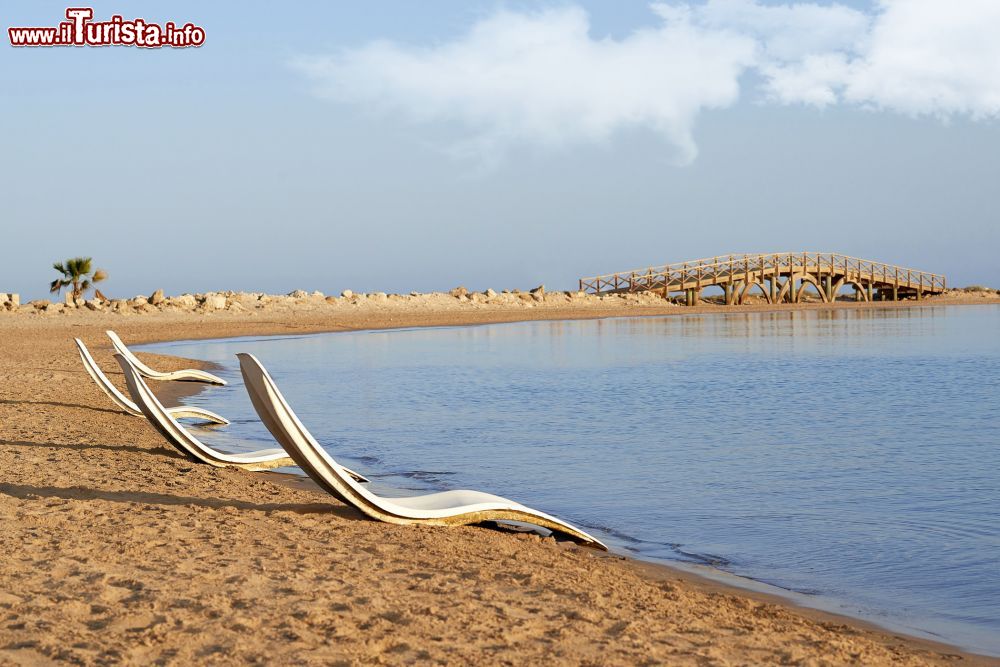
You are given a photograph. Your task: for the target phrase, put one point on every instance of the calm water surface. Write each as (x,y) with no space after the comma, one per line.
(851,456)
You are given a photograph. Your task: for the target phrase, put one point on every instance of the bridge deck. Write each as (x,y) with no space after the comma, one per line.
(781,276)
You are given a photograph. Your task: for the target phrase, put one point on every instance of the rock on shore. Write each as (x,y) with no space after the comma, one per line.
(300,300)
(457,299)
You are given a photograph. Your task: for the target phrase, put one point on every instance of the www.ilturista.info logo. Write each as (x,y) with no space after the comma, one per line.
(80,30)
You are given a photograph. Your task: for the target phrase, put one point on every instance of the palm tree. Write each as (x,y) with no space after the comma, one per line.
(76,273)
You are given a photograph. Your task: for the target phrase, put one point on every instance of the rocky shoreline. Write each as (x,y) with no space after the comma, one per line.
(455,299)
(248,302)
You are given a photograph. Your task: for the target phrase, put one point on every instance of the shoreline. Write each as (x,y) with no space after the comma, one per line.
(158,329)
(714,580)
(705,577)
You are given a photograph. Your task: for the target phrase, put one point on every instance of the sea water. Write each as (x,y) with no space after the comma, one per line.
(849,457)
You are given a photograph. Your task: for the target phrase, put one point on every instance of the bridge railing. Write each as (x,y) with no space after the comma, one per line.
(723,268)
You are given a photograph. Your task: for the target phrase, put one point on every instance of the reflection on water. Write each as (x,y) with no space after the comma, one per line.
(852,455)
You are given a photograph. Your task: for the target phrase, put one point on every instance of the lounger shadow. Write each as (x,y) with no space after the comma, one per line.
(188,374)
(119,399)
(447,508)
(189,445)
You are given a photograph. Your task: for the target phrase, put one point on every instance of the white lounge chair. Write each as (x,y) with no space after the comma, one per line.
(119,399)
(188,374)
(190,446)
(447,508)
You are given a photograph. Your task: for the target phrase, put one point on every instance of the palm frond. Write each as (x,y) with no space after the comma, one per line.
(76,271)
(79,266)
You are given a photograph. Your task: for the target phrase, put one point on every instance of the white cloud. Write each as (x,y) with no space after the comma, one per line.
(783,32)
(917,57)
(811,80)
(930,57)
(542,79)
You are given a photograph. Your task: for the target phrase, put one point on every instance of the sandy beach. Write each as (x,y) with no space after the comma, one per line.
(118,550)
(743,253)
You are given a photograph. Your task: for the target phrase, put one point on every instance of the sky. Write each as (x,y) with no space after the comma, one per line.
(398,146)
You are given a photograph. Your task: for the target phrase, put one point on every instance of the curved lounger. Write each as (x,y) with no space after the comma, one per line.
(188,374)
(448,508)
(119,399)
(190,446)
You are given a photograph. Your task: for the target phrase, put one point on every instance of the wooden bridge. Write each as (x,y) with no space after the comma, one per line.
(780,277)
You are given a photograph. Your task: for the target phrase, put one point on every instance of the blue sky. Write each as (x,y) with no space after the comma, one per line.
(360,145)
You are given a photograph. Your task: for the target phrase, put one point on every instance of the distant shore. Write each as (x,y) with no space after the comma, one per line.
(137,555)
(488,305)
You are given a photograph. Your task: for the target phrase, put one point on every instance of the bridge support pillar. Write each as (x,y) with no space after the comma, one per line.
(871,294)
(728,287)
(895,292)
(920,293)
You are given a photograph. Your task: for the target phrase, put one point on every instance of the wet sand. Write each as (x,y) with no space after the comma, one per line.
(118,550)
